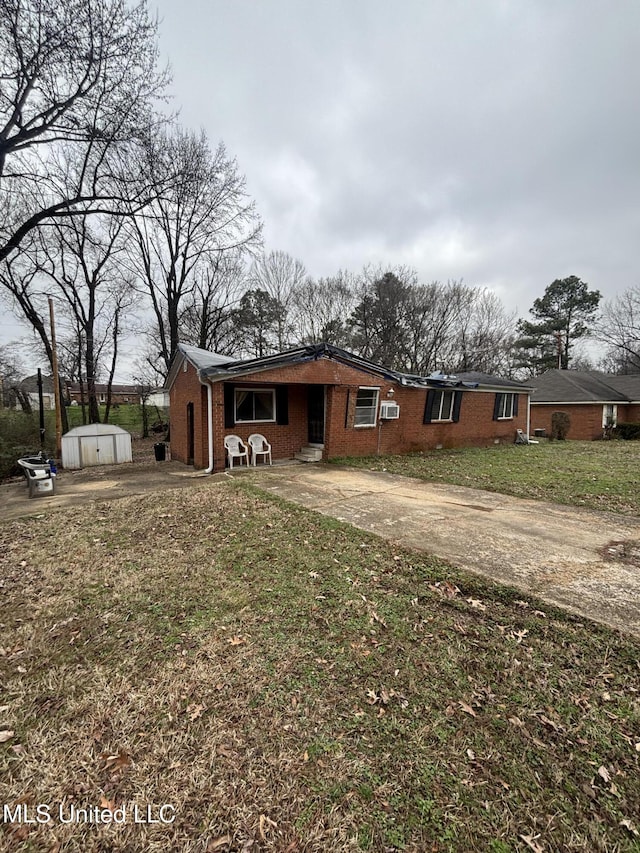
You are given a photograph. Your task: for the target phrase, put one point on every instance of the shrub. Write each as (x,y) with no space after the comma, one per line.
(629,432)
(20,436)
(560,423)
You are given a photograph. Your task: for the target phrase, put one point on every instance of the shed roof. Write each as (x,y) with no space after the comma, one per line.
(30,384)
(96,429)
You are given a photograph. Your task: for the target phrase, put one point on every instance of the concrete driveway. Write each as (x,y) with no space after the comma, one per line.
(585,561)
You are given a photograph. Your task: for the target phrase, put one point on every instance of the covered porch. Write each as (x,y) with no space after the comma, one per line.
(292,417)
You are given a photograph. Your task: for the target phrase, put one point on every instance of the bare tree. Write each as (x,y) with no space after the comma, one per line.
(208,319)
(11,373)
(83,263)
(619,330)
(77,262)
(258,319)
(204,214)
(485,335)
(77,83)
(279,275)
(433,312)
(379,320)
(322,308)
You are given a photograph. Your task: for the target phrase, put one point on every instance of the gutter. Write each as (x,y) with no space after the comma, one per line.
(209,388)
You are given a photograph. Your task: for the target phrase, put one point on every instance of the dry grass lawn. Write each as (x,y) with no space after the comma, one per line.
(288,683)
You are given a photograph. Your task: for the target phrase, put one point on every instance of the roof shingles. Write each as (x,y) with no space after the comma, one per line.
(585,386)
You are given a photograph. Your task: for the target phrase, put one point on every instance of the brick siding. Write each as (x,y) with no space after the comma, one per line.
(586,418)
(475,427)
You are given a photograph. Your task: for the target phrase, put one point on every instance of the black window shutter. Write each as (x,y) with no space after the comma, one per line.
(229,405)
(496,407)
(515,405)
(428,406)
(346,414)
(282,404)
(457,402)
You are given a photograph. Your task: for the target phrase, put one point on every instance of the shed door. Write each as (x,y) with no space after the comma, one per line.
(97,450)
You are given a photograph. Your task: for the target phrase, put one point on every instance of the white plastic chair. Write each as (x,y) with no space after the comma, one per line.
(259,447)
(236,449)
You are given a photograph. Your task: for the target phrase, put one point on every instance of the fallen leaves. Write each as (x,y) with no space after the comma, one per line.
(195,711)
(6,735)
(218,843)
(115,762)
(629,826)
(445,588)
(604,774)
(531,842)
(265,825)
(383,697)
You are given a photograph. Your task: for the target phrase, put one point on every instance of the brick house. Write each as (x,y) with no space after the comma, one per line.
(333,401)
(592,400)
(120,394)
(28,389)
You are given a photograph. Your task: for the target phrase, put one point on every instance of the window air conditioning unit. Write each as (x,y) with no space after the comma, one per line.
(389,411)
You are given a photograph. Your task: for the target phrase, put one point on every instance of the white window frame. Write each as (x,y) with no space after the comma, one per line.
(609,410)
(372,408)
(443,395)
(272,391)
(507,401)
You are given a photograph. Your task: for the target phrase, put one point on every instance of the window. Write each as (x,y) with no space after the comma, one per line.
(255,405)
(366,407)
(442,406)
(609,415)
(506,406)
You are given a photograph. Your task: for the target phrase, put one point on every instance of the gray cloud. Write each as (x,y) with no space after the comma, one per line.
(496,142)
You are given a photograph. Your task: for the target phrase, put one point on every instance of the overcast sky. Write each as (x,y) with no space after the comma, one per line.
(492,141)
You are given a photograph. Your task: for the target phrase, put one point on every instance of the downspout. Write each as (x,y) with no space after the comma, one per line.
(528,414)
(209,387)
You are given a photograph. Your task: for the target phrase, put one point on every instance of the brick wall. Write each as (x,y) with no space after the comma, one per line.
(475,427)
(188,389)
(586,418)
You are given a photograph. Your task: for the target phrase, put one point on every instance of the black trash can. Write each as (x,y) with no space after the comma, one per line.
(160,450)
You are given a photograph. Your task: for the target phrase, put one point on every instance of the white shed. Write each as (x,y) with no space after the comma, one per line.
(95,444)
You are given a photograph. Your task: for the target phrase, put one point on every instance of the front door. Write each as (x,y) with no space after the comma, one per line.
(315,413)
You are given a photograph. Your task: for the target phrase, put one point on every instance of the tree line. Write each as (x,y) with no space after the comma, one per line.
(137,225)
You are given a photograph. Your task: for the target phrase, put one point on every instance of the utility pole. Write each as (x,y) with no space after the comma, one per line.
(56,382)
(41,409)
(559,340)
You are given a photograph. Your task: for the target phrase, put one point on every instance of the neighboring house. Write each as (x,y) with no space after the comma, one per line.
(592,400)
(334,402)
(28,389)
(120,394)
(158,397)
